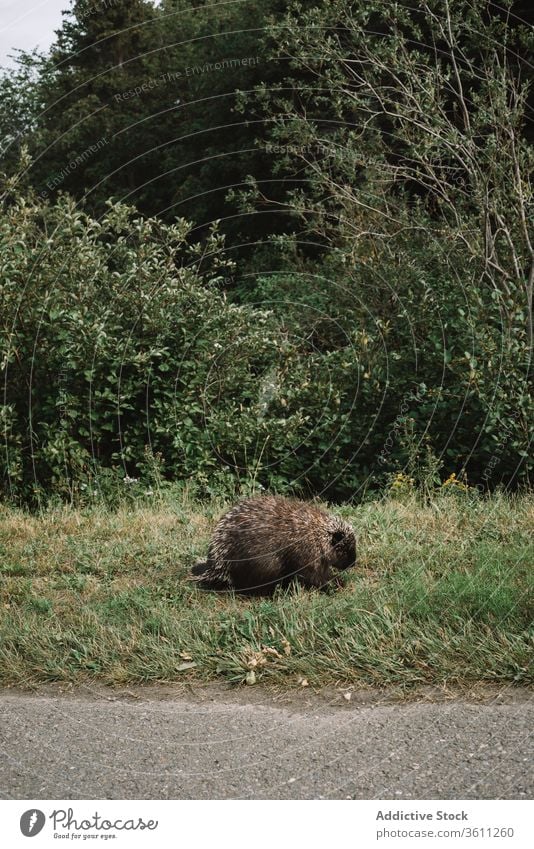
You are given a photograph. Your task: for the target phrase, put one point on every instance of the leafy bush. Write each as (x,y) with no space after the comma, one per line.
(125,365)
(114,337)
(123,360)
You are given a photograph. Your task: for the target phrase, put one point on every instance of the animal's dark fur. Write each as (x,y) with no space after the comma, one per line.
(269,540)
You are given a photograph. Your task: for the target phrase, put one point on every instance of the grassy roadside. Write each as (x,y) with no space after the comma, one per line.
(443,594)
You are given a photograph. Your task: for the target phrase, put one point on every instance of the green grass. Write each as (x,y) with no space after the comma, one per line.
(443,594)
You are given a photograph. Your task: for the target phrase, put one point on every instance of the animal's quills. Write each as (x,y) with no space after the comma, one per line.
(271,540)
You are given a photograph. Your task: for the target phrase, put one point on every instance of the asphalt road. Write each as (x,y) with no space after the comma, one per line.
(248,744)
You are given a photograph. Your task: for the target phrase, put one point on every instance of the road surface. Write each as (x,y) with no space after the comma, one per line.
(161,743)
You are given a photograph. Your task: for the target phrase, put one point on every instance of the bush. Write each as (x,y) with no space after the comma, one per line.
(125,366)
(123,360)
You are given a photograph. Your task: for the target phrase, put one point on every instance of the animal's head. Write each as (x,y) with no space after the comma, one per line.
(343,545)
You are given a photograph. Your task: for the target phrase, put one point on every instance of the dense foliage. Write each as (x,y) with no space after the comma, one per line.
(119,349)
(137,102)
(370,309)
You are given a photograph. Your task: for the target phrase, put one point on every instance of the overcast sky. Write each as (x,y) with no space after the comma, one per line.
(28,24)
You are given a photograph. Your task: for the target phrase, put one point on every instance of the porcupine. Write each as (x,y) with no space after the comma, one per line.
(268,540)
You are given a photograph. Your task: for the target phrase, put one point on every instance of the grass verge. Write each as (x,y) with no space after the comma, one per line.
(443,594)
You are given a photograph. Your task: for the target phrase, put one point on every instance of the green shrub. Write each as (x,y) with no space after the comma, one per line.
(124,365)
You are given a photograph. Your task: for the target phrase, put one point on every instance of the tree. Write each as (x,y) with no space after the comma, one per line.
(138,101)
(20,105)
(105,74)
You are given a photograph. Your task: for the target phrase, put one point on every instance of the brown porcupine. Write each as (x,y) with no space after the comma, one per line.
(269,540)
